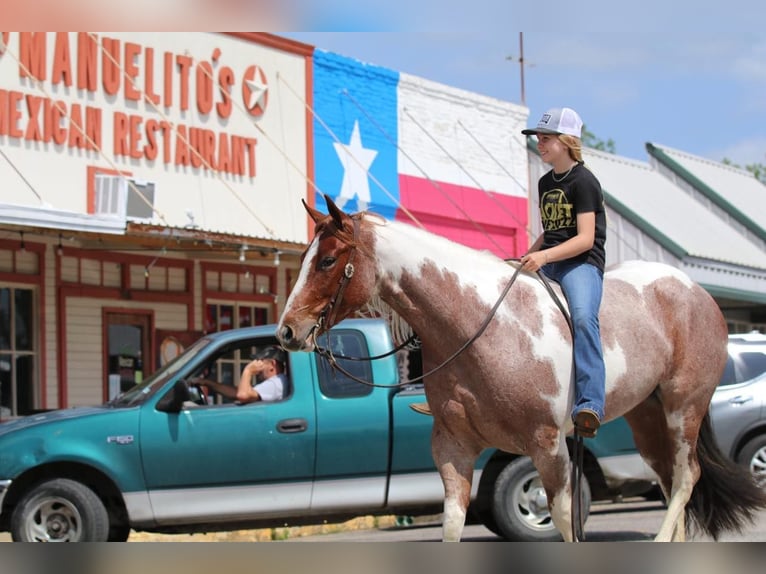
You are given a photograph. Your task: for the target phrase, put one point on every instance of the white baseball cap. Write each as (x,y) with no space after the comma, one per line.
(558,121)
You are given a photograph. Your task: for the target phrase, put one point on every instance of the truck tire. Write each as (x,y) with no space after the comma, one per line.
(521,506)
(60,510)
(753,456)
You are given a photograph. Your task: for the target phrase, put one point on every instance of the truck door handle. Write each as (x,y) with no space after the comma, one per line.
(292,425)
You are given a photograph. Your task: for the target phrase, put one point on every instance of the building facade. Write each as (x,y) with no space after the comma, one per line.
(152,187)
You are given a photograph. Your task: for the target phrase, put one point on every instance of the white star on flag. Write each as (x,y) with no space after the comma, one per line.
(356,161)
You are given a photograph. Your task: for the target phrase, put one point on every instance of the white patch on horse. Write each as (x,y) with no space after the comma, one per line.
(454,519)
(642,273)
(616,364)
(476,270)
(552,347)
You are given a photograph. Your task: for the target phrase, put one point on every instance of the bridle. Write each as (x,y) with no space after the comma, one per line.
(328,313)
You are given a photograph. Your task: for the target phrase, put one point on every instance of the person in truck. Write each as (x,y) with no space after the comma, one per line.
(262,379)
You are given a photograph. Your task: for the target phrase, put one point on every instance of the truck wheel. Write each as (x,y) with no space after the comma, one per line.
(521,506)
(60,510)
(753,456)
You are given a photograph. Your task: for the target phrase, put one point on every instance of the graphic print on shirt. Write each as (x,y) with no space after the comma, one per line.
(556,211)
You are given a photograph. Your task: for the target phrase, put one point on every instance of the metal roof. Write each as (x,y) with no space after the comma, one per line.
(734,190)
(669,214)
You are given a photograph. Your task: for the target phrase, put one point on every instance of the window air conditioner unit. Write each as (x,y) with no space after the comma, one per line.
(119,196)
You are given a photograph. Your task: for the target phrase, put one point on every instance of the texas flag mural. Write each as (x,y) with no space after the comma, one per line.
(420,152)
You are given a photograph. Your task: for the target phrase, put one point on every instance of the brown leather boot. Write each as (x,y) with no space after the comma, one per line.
(586,423)
(421,408)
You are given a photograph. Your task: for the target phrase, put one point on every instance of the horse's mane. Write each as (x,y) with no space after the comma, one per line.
(400,329)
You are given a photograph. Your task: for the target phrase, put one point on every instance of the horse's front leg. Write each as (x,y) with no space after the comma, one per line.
(455,466)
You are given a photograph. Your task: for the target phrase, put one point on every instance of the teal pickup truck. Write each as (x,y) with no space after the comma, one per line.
(162,458)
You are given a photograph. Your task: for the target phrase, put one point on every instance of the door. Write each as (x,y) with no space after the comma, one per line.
(127,350)
(229,460)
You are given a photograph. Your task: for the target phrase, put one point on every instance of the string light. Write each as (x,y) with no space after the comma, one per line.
(60,248)
(276,258)
(242,251)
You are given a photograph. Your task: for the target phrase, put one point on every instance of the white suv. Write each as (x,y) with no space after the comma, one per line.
(738,407)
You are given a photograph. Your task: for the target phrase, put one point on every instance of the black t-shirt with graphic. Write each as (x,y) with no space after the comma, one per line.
(561,201)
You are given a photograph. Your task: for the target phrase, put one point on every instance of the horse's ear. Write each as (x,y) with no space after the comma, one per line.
(334,210)
(315,214)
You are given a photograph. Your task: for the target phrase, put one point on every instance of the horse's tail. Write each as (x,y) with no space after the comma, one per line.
(726,495)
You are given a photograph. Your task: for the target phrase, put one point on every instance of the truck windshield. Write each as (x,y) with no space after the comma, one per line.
(140,393)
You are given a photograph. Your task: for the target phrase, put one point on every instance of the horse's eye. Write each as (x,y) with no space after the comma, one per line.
(327,262)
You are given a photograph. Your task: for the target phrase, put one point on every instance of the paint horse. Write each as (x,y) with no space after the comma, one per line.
(664,341)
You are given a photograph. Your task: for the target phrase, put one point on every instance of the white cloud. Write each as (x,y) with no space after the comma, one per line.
(745,152)
(751,66)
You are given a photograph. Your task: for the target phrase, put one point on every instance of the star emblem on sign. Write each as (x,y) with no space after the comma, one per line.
(4,42)
(255,91)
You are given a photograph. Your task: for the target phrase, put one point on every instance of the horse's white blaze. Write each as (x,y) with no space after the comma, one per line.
(302,280)
(640,274)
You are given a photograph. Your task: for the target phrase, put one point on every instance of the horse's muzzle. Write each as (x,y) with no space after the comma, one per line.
(292,341)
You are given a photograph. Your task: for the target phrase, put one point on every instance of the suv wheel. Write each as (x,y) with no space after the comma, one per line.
(521,505)
(60,510)
(753,456)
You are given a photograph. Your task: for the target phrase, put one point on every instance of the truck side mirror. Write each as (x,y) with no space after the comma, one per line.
(173,400)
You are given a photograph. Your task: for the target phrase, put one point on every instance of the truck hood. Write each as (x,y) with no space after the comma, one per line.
(49,417)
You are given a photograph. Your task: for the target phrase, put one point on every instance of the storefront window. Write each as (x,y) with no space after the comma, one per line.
(222,317)
(225,316)
(18,357)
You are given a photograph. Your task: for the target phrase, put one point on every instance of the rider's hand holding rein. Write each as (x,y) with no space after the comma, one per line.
(534,260)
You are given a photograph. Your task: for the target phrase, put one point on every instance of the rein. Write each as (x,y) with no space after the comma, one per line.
(327,352)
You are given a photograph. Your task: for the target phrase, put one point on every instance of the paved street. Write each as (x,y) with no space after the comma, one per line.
(608,522)
(635,521)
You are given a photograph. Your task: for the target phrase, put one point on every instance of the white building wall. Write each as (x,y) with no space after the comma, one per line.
(479,138)
(218,199)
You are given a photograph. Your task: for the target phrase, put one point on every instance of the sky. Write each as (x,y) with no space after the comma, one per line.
(687,75)
(655,77)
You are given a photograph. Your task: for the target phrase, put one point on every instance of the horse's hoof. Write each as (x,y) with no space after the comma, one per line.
(586,423)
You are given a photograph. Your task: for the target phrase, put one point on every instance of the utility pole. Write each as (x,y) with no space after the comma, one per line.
(522,63)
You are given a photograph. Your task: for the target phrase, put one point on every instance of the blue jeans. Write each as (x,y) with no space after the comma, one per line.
(582,284)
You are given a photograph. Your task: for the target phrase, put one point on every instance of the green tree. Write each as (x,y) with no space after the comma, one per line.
(590,140)
(757,169)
